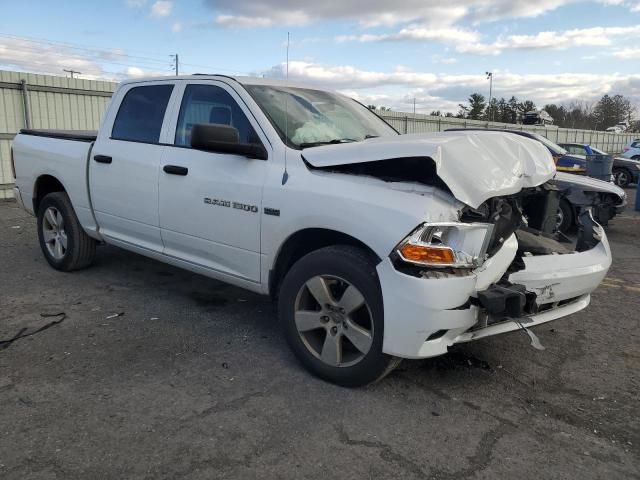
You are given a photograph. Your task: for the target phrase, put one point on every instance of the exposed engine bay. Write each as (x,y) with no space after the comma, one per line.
(530,215)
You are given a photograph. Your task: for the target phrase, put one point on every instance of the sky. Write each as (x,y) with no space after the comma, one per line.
(381,52)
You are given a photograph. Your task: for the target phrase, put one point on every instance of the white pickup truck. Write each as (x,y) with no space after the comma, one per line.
(376,246)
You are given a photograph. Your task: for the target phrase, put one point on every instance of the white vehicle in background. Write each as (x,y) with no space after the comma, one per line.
(632,149)
(376,246)
(536,117)
(620,127)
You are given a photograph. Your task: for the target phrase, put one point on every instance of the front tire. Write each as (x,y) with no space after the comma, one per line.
(331,311)
(565,221)
(64,243)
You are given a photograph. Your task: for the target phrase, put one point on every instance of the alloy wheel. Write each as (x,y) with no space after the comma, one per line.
(622,178)
(54,234)
(334,321)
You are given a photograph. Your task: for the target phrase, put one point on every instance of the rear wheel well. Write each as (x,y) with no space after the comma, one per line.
(304,242)
(45,184)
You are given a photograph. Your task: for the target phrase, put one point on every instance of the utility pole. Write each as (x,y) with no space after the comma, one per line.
(71,72)
(490,78)
(176,64)
(414,107)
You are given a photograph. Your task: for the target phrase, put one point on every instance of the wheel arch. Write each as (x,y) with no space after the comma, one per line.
(305,241)
(44,185)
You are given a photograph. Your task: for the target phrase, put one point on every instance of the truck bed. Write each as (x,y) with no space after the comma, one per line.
(77,135)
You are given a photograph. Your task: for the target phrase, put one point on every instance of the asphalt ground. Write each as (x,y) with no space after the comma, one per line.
(152,372)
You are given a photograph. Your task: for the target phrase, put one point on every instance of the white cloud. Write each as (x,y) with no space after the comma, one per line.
(467,41)
(596,36)
(419,34)
(27,56)
(135,72)
(627,53)
(161,8)
(397,88)
(24,55)
(249,21)
(242,21)
(346,76)
(253,13)
(633,5)
(176,27)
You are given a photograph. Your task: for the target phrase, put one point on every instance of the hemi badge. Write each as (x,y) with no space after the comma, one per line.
(272,211)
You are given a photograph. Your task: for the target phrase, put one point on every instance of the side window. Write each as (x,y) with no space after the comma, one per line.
(141,114)
(211,104)
(635,145)
(577,150)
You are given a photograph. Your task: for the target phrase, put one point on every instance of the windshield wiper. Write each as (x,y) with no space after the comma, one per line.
(367,137)
(327,142)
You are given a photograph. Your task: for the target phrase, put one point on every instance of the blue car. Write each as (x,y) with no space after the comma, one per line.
(625,170)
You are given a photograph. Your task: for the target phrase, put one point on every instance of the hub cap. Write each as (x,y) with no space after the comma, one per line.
(54,234)
(334,320)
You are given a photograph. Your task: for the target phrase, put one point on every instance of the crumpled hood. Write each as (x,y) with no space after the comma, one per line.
(475,165)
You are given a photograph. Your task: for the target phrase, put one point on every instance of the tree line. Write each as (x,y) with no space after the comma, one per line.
(606,112)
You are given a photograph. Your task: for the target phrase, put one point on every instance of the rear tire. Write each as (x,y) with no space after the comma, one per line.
(331,311)
(63,241)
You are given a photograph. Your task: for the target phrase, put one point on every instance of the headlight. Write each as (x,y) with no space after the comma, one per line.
(638,166)
(458,245)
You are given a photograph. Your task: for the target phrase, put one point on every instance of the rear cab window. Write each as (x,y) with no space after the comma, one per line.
(141,114)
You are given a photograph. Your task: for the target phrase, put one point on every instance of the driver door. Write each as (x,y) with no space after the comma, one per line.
(211,203)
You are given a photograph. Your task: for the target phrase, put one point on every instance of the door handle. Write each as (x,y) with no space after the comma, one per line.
(103,158)
(176,170)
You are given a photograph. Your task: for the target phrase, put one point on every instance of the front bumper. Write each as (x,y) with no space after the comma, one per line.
(423,317)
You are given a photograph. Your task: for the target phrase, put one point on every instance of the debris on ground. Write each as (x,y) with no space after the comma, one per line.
(22,333)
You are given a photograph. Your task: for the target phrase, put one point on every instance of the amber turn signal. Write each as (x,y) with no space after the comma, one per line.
(428,254)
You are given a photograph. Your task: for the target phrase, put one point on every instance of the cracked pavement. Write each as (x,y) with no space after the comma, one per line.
(193,380)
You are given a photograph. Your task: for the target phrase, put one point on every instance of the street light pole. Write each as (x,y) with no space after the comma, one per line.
(490,78)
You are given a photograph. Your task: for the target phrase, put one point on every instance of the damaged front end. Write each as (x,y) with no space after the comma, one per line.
(494,265)
(530,217)
(524,273)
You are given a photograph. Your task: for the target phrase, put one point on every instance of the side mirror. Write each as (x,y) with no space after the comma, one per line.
(218,138)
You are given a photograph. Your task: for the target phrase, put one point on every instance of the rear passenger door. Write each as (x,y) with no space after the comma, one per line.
(211,203)
(124,166)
